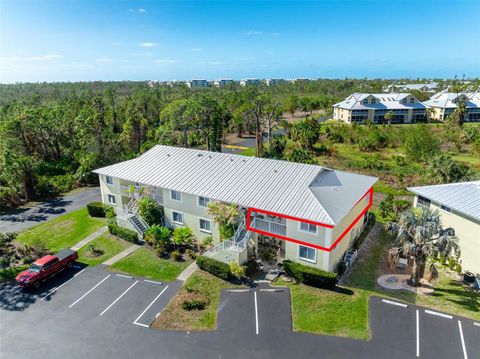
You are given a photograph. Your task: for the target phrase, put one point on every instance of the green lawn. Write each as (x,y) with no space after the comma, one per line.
(250,152)
(109,244)
(145,263)
(200,285)
(63,231)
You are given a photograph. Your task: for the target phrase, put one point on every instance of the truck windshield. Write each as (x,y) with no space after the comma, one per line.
(35,268)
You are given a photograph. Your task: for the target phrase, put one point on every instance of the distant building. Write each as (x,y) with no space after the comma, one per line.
(196,83)
(250,81)
(430,87)
(360,107)
(444,104)
(172,83)
(223,82)
(270,82)
(459,208)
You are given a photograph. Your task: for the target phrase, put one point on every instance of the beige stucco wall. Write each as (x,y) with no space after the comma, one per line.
(467,231)
(341,114)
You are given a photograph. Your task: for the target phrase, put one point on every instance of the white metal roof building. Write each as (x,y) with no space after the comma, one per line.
(382,101)
(446,103)
(299,190)
(462,197)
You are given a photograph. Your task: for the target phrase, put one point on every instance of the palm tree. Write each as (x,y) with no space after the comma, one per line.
(389,116)
(418,234)
(429,114)
(225,215)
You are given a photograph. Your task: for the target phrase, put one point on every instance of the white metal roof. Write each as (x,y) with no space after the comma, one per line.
(384,101)
(299,190)
(446,99)
(463,197)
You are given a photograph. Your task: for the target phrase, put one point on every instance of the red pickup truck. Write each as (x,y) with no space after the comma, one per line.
(45,267)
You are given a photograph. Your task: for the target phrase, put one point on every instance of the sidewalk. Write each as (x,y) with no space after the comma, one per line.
(187,272)
(90,238)
(122,255)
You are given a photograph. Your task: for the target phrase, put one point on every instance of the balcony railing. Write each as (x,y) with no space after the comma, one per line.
(156,196)
(269,226)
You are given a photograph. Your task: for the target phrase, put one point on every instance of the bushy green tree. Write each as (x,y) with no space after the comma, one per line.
(150,210)
(183,236)
(420,143)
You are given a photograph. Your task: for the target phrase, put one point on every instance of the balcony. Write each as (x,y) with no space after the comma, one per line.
(149,191)
(266,225)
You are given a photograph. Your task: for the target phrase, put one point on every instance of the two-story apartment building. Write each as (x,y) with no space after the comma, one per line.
(360,107)
(197,83)
(249,81)
(425,87)
(459,208)
(223,82)
(444,104)
(309,213)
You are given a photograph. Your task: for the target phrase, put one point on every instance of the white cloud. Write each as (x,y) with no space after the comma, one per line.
(45,57)
(117,43)
(253,33)
(141,10)
(274,34)
(164,61)
(210,62)
(197,49)
(148,44)
(19,59)
(103,60)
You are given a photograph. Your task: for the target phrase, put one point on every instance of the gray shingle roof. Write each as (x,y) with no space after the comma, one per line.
(299,190)
(463,197)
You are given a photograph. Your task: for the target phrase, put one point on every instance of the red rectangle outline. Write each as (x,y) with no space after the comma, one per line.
(329,249)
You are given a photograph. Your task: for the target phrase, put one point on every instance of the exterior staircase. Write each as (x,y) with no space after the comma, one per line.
(130,213)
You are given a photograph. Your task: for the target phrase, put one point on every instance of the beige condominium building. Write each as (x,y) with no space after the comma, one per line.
(360,107)
(444,103)
(459,208)
(306,213)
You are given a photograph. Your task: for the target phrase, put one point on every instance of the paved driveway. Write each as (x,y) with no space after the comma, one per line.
(28,216)
(94,313)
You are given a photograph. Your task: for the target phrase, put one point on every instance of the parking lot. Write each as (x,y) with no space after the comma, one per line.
(91,312)
(93,294)
(413,331)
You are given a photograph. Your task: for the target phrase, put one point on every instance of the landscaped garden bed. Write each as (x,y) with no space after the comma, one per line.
(195,306)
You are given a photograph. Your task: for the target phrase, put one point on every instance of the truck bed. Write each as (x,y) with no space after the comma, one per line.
(64,253)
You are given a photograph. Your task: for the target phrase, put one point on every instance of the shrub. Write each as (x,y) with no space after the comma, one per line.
(236,269)
(150,211)
(98,209)
(208,241)
(452,262)
(123,233)
(309,275)
(39,245)
(7,237)
(251,267)
(156,234)
(162,249)
(214,267)
(183,236)
(194,305)
(458,268)
(176,256)
(341,267)
(191,253)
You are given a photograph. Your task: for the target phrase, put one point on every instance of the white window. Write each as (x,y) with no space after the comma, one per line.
(177,217)
(109,179)
(373,101)
(412,100)
(205,225)
(308,227)
(203,201)
(176,196)
(307,253)
(111,199)
(423,202)
(365,102)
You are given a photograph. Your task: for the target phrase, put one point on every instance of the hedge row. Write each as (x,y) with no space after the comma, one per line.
(309,275)
(217,268)
(124,233)
(97,209)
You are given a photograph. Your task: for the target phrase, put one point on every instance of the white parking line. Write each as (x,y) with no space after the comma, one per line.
(152,281)
(153,301)
(462,339)
(476,324)
(238,290)
(256,313)
(272,290)
(116,300)
(53,290)
(438,314)
(418,334)
(394,303)
(83,296)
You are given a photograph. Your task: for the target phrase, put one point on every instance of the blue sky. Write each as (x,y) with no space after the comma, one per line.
(50,40)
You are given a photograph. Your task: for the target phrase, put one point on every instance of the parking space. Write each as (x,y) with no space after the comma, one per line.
(414,332)
(93,294)
(258,311)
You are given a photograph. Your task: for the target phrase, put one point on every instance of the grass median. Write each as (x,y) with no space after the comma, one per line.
(145,263)
(200,286)
(104,247)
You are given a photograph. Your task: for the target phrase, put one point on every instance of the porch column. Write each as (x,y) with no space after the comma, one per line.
(326,255)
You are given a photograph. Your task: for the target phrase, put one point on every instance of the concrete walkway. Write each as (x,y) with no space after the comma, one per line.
(187,272)
(90,238)
(122,255)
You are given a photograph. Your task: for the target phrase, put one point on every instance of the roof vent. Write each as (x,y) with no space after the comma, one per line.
(244,160)
(200,155)
(231,159)
(168,154)
(275,171)
(209,156)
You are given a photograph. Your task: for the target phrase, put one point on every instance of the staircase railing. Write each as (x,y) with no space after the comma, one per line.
(236,243)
